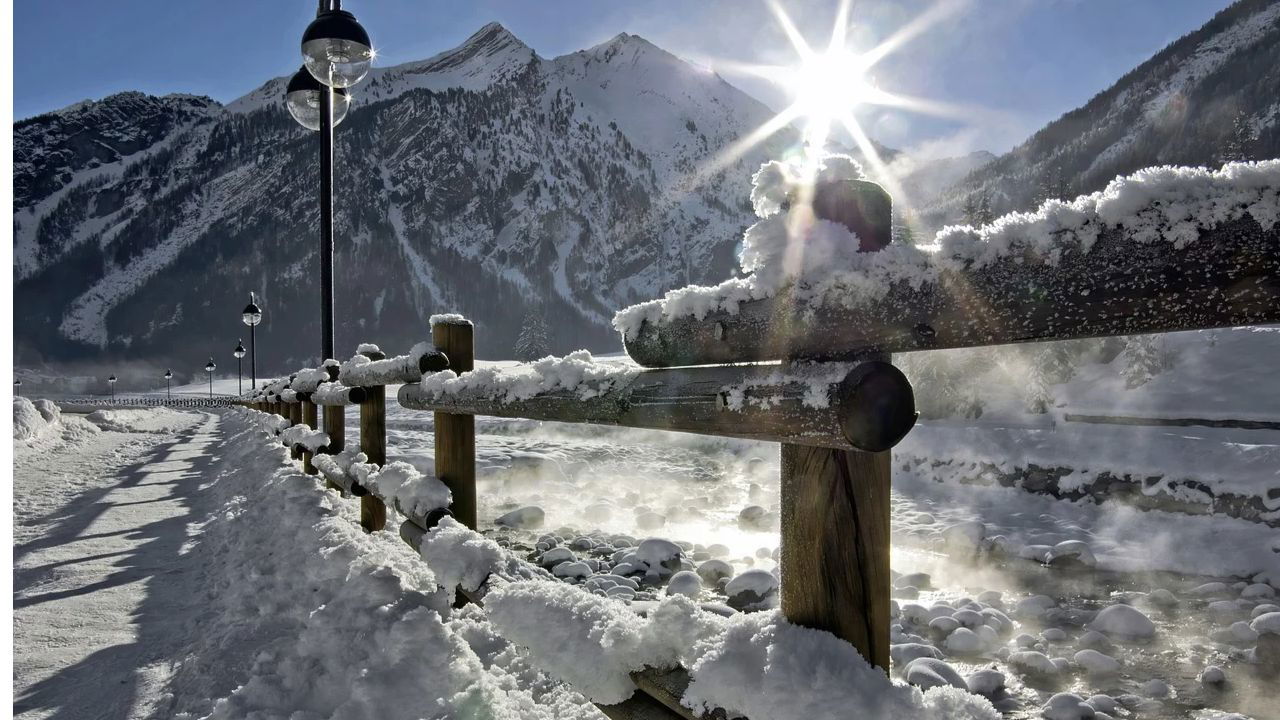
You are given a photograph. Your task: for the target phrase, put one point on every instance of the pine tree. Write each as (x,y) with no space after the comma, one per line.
(971,211)
(534,342)
(984,214)
(1056,362)
(1239,143)
(1038,397)
(1142,359)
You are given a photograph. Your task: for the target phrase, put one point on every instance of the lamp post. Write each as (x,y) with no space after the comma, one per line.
(209,369)
(239,353)
(17,388)
(168,394)
(111,383)
(336,54)
(252,315)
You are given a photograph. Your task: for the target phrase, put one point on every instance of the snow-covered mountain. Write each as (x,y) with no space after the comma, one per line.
(1213,95)
(484,180)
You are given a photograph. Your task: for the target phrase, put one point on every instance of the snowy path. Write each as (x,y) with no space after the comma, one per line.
(103,588)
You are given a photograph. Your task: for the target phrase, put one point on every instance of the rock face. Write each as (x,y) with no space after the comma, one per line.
(484,178)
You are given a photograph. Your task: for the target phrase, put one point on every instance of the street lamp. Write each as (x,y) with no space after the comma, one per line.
(209,369)
(168,394)
(111,382)
(252,315)
(239,353)
(17,388)
(336,54)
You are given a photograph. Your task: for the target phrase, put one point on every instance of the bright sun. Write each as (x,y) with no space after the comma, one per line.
(827,86)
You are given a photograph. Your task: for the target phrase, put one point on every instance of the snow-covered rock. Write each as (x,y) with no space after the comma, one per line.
(1123,620)
(713,571)
(1067,706)
(1031,662)
(1212,675)
(528,518)
(1096,663)
(985,682)
(685,583)
(752,589)
(928,673)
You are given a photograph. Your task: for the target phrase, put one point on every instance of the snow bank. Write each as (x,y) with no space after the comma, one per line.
(151,420)
(578,373)
(819,261)
(30,420)
(753,664)
(317,619)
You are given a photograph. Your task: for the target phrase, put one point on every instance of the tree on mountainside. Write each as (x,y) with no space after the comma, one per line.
(1142,359)
(1240,141)
(534,342)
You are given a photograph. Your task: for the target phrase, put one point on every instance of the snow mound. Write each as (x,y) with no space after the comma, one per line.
(747,664)
(31,421)
(460,557)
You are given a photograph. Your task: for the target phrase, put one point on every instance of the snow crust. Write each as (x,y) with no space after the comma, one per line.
(400,483)
(819,261)
(578,373)
(303,435)
(307,380)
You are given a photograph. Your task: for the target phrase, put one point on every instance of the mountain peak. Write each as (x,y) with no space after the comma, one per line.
(492,36)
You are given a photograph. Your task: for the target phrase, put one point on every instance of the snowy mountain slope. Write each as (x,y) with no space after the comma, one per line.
(1180,107)
(485,179)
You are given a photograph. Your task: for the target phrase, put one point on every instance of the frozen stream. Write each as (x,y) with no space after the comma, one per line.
(613,486)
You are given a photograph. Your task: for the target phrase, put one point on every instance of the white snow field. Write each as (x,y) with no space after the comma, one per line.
(176,564)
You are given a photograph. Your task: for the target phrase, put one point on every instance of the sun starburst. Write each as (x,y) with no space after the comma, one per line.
(827,86)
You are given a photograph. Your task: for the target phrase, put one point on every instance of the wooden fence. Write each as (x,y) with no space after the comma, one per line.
(835,457)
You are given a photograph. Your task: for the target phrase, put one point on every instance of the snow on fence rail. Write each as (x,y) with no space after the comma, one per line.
(1165,249)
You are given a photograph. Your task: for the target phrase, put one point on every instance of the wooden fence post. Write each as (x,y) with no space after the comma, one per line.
(295,417)
(456,434)
(373,443)
(834,552)
(335,425)
(308,419)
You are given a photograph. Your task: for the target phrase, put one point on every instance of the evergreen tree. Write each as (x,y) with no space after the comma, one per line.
(1038,396)
(1239,143)
(534,341)
(984,215)
(1056,362)
(1141,359)
(971,211)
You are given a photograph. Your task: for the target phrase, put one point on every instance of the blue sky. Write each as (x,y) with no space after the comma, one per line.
(1017,63)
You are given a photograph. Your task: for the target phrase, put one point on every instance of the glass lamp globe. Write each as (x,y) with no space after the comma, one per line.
(336,49)
(302,96)
(168,374)
(210,367)
(111,379)
(239,351)
(252,314)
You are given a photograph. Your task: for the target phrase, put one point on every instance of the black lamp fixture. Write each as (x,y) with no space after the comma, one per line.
(209,369)
(335,48)
(252,315)
(336,54)
(239,353)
